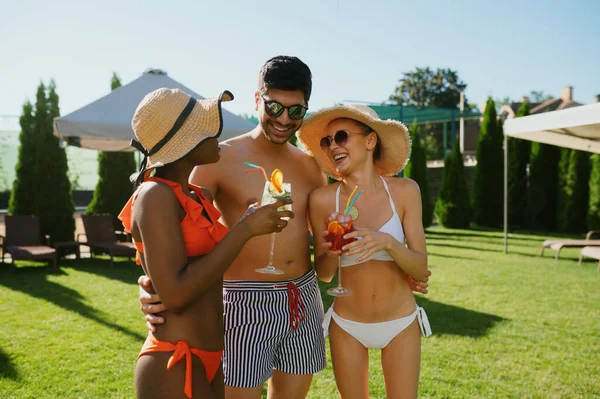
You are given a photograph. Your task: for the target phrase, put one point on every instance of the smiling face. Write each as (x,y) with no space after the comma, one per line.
(350,144)
(278,130)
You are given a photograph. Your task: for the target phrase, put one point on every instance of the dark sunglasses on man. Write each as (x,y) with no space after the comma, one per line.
(340,138)
(275,109)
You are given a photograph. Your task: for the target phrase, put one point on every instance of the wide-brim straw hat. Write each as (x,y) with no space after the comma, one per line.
(169,124)
(393,137)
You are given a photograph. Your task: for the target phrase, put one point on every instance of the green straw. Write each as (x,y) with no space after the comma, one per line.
(352,203)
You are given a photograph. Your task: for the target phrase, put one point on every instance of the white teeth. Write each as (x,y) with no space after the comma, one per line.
(280,129)
(340,156)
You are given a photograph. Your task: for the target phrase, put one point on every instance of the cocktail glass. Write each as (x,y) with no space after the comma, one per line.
(338,225)
(271,195)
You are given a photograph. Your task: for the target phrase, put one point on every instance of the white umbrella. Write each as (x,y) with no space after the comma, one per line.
(105,124)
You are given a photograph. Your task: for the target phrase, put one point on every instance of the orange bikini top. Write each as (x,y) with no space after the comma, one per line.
(199,233)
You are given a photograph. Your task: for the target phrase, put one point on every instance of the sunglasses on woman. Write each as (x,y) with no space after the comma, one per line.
(275,109)
(340,138)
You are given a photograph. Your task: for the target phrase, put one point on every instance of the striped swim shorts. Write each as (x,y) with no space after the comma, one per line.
(272,325)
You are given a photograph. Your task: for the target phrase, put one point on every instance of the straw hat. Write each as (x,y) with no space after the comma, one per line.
(392,135)
(169,124)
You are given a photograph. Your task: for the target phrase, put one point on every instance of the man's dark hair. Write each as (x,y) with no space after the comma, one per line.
(285,73)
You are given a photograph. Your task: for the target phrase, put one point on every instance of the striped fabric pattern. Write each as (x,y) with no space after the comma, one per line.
(258,335)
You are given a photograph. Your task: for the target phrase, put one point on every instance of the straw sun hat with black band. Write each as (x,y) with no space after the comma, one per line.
(169,124)
(392,135)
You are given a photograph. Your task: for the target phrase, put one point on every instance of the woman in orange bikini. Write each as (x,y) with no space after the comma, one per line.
(182,246)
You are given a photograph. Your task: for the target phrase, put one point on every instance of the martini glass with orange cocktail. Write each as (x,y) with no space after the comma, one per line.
(275,189)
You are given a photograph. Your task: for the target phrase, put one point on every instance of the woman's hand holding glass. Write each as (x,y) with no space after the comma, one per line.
(328,245)
(371,241)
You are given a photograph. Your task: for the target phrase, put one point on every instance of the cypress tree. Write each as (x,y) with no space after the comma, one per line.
(53,188)
(542,193)
(113,188)
(453,208)
(518,159)
(593,217)
(488,180)
(574,218)
(22,199)
(563,171)
(416,169)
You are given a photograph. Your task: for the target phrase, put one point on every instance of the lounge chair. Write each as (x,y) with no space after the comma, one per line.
(23,241)
(557,245)
(101,237)
(591,252)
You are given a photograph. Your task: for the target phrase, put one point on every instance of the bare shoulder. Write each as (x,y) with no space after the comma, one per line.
(153,196)
(321,196)
(309,166)
(235,144)
(403,186)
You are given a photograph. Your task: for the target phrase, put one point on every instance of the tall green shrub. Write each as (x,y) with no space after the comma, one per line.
(416,169)
(113,188)
(488,181)
(53,188)
(518,159)
(542,193)
(453,208)
(22,199)
(593,217)
(563,172)
(574,219)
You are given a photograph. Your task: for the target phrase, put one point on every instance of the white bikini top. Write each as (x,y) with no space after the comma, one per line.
(393,227)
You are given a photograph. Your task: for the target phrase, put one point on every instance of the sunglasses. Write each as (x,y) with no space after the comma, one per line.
(340,138)
(275,109)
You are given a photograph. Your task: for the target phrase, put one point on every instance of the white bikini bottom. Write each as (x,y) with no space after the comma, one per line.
(377,335)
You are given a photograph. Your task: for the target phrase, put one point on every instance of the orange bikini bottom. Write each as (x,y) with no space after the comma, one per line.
(211,360)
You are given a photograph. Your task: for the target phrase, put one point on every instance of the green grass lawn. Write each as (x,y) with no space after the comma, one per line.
(505,326)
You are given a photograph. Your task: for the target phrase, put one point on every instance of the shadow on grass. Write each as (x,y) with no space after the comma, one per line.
(472,248)
(514,235)
(125,270)
(453,320)
(7,368)
(494,242)
(33,281)
(512,249)
(429,253)
(444,319)
(474,234)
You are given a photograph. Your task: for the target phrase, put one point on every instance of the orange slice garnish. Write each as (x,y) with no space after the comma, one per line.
(277,180)
(335,228)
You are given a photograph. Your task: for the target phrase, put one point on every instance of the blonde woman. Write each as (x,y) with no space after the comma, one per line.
(352,145)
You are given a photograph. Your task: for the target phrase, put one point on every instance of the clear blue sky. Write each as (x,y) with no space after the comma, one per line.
(356,49)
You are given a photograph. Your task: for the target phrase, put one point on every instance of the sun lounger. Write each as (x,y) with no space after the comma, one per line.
(590,252)
(557,245)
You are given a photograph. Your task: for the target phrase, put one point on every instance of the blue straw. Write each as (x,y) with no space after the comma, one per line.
(353,201)
(251,164)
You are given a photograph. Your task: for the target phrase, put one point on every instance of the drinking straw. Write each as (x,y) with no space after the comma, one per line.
(353,201)
(256,167)
(350,196)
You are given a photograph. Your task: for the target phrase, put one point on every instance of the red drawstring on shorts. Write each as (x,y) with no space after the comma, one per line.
(297,310)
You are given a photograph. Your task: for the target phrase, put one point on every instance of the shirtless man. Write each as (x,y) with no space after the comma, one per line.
(272,322)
